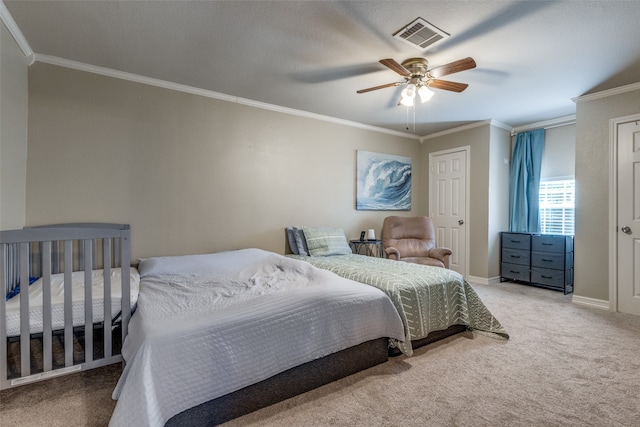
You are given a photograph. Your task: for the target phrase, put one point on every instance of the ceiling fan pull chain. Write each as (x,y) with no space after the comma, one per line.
(414,118)
(407,107)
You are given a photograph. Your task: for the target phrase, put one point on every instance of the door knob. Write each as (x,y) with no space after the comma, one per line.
(626,230)
(460,222)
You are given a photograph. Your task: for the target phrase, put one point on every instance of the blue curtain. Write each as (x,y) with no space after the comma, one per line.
(524,182)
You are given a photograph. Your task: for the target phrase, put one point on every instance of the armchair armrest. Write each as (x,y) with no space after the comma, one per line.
(442,254)
(392,253)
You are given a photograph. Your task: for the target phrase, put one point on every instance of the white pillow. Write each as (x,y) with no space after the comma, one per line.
(220,262)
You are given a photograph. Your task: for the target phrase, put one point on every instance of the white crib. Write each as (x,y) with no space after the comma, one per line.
(75,315)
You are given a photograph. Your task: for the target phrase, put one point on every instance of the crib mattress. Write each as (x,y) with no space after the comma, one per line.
(77,293)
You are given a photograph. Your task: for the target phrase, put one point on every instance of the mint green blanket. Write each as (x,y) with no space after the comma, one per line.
(427,298)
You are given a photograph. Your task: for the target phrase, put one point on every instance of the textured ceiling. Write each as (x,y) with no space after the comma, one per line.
(533,56)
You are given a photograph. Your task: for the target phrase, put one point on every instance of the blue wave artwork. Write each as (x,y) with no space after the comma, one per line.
(383,182)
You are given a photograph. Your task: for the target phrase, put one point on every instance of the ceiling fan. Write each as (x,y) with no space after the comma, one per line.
(419,78)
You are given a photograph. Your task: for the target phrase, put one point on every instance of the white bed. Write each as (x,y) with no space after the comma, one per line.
(210,325)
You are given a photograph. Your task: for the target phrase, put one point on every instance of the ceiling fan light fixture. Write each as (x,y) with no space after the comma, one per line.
(425,94)
(408,94)
(407,101)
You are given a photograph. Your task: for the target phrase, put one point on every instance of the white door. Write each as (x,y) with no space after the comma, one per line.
(448,203)
(629,218)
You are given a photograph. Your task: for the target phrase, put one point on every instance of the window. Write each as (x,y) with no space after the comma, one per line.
(557,206)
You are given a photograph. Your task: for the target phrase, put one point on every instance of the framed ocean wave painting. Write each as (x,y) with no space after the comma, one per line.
(383,182)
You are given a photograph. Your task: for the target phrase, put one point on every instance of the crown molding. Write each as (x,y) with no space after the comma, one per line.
(500,125)
(606,93)
(546,124)
(11,25)
(81,66)
(109,72)
(315,116)
(465,127)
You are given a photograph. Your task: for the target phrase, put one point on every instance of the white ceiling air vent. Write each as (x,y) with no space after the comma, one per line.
(420,34)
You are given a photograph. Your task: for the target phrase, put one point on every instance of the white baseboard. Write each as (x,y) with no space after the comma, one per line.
(575,299)
(475,280)
(590,302)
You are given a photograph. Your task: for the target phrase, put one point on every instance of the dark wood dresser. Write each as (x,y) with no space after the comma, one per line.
(544,260)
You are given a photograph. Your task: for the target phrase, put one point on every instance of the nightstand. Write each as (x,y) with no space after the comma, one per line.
(367,247)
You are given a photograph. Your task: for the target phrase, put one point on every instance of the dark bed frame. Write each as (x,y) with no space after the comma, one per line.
(297,380)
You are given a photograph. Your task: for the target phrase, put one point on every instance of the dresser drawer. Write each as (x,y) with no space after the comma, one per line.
(559,244)
(515,271)
(515,256)
(554,278)
(516,241)
(554,260)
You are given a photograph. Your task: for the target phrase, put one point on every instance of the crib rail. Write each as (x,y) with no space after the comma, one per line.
(39,252)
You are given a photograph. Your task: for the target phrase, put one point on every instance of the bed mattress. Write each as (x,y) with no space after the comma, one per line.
(208,325)
(77,293)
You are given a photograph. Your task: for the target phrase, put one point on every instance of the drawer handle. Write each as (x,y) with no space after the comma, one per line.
(514,256)
(547,244)
(515,241)
(547,277)
(515,272)
(547,260)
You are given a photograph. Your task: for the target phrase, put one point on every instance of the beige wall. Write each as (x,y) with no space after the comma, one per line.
(190,173)
(559,152)
(194,174)
(592,190)
(13,132)
(498,218)
(489,191)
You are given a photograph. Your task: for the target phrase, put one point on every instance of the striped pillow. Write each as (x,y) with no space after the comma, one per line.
(326,241)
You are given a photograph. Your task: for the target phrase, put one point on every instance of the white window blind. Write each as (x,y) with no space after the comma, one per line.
(557,206)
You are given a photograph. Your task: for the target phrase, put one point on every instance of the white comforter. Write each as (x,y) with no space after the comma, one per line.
(208,325)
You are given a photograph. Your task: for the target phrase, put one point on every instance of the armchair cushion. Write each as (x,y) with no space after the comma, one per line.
(412,239)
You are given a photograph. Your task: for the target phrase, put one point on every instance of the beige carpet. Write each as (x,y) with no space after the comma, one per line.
(565,365)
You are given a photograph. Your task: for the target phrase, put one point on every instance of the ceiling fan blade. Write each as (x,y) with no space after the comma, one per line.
(394,66)
(379,87)
(453,67)
(447,85)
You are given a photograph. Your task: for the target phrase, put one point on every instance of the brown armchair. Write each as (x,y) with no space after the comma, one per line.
(413,239)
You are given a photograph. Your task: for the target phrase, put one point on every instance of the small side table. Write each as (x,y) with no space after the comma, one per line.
(367,247)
